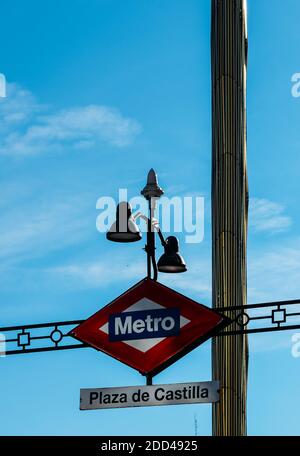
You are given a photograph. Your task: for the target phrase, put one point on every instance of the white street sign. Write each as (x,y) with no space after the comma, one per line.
(142,396)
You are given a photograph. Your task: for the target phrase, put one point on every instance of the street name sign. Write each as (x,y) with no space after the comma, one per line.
(149,327)
(143,396)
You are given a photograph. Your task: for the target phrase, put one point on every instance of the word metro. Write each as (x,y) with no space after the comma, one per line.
(144,324)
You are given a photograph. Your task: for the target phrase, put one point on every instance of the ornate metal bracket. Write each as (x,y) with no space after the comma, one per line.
(15,340)
(264,317)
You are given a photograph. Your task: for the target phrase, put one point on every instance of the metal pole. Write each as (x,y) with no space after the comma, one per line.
(152,191)
(150,247)
(149,380)
(152,203)
(229,207)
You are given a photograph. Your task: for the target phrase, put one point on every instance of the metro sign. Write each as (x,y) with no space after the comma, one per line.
(149,327)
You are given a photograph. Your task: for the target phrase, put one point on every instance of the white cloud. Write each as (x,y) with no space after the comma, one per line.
(274,273)
(29,128)
(265,215)
(40,228)
(17,110)
(96,273)
(264,342)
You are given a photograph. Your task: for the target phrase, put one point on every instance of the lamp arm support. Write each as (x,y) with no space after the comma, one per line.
(161,237)
(154,266)
(150,247)
(155,225)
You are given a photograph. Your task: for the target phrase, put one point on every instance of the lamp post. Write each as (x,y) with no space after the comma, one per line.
(125,229)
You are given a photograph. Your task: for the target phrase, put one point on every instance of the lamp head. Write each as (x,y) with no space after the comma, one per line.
(124,229)
(171,261)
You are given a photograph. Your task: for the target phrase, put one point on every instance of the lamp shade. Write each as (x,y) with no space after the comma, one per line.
(124,229)
(171,261)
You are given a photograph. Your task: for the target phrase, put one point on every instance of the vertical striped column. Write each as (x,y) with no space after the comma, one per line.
(229,205)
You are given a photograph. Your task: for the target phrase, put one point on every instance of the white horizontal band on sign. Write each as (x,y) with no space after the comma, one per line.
(143,396)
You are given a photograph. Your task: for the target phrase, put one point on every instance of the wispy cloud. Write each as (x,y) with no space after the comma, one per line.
(274,273)
(42,227)
(30,128)
(268,216)
(262,343)
(18,107)
(92,274)
(96,273)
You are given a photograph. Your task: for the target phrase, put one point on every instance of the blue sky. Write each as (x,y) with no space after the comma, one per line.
(99,92)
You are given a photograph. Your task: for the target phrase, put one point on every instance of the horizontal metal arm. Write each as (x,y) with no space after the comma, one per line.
(249,319)
(33,338)
(262,317)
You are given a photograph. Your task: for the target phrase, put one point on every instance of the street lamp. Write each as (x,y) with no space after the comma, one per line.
(125,229)
(171,261)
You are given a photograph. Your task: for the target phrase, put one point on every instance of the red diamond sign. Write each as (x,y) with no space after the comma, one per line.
(149,327)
